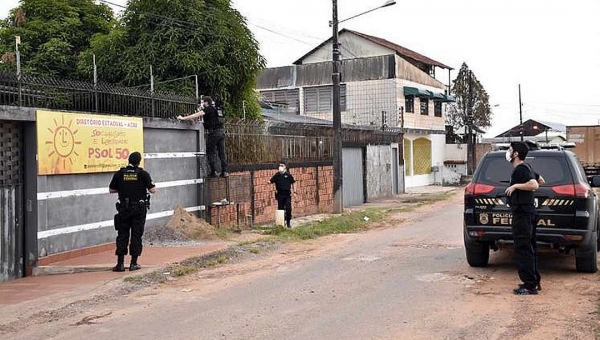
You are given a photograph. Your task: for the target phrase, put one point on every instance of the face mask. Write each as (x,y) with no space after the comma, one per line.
(509,157)
(282,169)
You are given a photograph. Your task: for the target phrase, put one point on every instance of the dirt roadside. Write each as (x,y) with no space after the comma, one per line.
(482,307)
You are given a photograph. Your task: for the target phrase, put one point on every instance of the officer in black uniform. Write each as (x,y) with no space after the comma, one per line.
(523,183)
(215,135)
(284,184)
(132,184)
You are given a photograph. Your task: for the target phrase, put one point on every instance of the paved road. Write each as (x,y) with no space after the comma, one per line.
(406,281)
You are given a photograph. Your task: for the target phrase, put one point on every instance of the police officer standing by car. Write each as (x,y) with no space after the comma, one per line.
(132,183)
(215,135)
(520,193)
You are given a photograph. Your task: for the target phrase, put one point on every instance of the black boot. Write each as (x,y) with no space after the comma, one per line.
(120,267)
(134,265)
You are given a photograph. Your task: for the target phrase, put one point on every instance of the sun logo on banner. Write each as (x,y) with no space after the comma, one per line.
(63,142)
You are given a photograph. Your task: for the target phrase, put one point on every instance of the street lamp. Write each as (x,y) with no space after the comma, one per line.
(338,193)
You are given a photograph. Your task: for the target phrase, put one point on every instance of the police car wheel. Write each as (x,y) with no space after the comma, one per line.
(589,263)
(478,253)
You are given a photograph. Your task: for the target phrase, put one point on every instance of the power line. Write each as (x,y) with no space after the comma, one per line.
(185,24)
(280,34)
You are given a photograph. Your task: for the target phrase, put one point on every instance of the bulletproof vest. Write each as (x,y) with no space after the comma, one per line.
(131,185)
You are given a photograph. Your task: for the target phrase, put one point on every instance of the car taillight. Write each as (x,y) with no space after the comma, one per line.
(582,191)
(478,189)
(574,190)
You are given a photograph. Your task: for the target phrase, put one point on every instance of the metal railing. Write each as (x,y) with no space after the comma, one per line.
(75,95)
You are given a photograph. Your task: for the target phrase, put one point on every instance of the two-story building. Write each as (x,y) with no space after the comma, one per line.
(383,85)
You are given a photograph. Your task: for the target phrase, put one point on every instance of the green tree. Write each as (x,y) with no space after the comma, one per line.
(180,38)
(457,112)
(53,34)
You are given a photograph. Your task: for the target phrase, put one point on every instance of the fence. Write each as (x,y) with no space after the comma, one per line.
(256,142)
(73,95)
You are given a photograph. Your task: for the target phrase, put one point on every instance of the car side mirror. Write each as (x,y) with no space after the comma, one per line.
(596,181)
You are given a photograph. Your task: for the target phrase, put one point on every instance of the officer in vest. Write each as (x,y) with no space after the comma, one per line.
(132,183)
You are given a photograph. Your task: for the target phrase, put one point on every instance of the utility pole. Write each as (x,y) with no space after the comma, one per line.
(520,113)
(470,121)
(338,197)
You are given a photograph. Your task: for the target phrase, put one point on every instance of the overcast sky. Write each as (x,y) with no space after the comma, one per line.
(552,48)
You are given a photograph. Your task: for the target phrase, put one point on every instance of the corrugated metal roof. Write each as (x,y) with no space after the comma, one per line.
(298,119)
(402,51)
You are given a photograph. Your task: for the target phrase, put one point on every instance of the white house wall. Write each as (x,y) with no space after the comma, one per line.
(438,143)
(416,120)
(352,46)
(365,101)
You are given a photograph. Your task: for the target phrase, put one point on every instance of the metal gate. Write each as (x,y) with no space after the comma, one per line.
(352,175)
(11,199)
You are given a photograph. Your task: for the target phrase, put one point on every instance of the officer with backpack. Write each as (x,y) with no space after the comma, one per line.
(215,135)
(132,184)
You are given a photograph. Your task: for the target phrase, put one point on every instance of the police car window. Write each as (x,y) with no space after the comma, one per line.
(555,170)
(495,170)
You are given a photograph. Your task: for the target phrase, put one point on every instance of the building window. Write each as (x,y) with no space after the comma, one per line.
(437,109)
(320,99)
(409,104)
(424,106)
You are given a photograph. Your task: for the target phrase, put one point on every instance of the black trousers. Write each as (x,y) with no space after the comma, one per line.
(132,225)
(284,202)
(215,143)
(524,233)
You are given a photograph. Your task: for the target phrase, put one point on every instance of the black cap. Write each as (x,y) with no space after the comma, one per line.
(135,158)
(207,99)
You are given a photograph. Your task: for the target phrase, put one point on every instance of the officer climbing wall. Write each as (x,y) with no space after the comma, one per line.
(132,183)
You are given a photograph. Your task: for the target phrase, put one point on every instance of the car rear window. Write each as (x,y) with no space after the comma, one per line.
(496,170)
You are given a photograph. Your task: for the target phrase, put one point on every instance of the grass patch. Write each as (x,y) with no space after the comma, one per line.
(223,233)
(347,223)
(221,259)
(184,270)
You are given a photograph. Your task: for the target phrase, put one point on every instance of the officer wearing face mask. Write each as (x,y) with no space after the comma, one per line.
(284,185)
(523,183)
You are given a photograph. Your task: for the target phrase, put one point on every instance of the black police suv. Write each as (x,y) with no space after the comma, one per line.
(567,207)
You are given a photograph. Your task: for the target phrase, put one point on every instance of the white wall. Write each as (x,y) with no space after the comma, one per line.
(366,99)
(438,149)
(456,152)
(438,143)
(352,47)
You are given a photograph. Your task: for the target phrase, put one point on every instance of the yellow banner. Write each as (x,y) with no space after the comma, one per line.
(72,143)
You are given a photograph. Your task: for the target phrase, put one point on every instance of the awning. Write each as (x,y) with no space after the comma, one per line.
(413,91)
(437,96)
(448,98)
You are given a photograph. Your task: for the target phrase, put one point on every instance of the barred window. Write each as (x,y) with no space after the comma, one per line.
(409,103)
(424,106)
(437,109)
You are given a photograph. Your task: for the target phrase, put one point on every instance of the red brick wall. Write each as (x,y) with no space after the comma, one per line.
(309,198)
